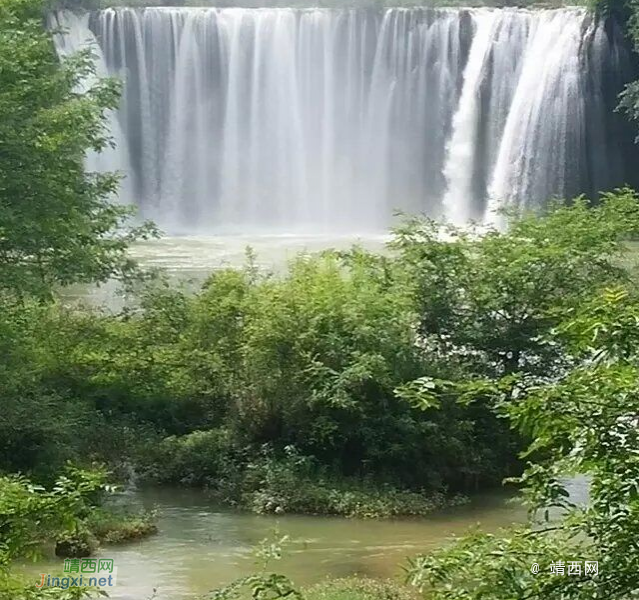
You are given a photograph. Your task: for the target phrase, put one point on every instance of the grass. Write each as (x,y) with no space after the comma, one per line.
(345,498)
(118,528)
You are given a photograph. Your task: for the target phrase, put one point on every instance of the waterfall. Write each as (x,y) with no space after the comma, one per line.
(113,158)
(545,129)
(459,164)
(322,120)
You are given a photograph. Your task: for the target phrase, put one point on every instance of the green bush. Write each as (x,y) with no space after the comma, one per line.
(296,484)
(310,359)
(32,517)
(324,358)
(111,527)
(357,588)
(345,498)
(76,544)
(200,458)
(17,587)
(263,481)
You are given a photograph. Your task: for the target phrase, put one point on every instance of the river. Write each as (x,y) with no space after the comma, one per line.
(200,545)
(192,258)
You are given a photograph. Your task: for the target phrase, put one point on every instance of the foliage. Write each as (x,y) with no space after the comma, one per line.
(358,588)
(274,587)
(117,527)
(76,544)
(265,481)
(490,298)
(264,585)
(57,223)
(58,226)
(41,424)
(294,484)
(582,421)
(201,458)
(13,587)
(261,586)
(309,360)
(328,359)
(30,515)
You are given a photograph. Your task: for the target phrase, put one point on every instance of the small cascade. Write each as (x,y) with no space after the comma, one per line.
(462,147)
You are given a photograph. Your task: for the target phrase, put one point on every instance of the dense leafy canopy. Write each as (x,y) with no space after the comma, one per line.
(58,224)
(583,423)
(259,383)
(31,516)
(488,297)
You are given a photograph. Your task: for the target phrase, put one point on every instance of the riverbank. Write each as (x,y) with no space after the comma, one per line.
(265,481)
(201,546)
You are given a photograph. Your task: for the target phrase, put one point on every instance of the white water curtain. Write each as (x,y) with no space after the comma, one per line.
(329,120)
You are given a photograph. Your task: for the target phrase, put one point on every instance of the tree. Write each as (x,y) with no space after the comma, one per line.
(31,516)
(58,224)
(582,422)
(488,297)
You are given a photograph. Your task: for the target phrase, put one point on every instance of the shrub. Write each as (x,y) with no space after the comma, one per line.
(111,527)
(357,588)
(200,458)
(294,484)
(76,544)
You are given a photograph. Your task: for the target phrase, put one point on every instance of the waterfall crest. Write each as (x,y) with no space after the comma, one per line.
(329,120)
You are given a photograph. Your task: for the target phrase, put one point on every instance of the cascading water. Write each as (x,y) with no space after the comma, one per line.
(115,157)
(460,159)
(325,120)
